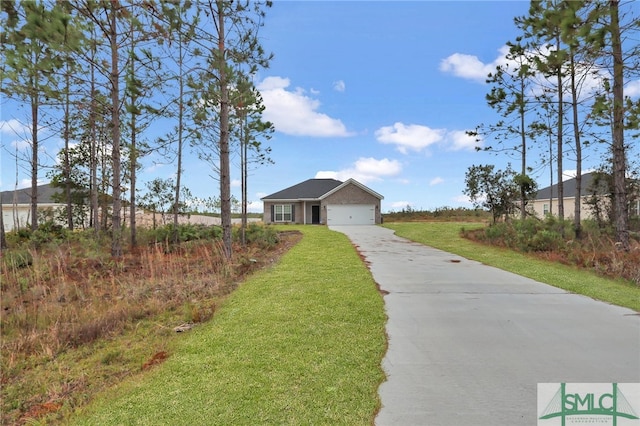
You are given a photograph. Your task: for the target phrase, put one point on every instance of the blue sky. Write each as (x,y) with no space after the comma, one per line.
(378,91)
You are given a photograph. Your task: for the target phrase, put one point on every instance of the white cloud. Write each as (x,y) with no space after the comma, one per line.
(460,140)
(417,137)
(295,113)
(409,136)
(25,183)
(365,170)
(255,206)
(470,67)
(154,168)
(463,199)
(400,205)
(21,144)
(339,86)
(632,89)
(436,181)
(14,127)
(570,174)
(236,183)
(21,131)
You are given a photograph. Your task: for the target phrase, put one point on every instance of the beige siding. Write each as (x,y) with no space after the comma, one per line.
(569,208)
(298,216)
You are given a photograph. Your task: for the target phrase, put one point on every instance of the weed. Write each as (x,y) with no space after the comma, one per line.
(67,293)
(111,357)
(16,259)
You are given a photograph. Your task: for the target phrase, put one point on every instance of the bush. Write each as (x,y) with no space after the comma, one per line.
(16,259)
(186,232)
(524,236)
(545,240)
(262,235)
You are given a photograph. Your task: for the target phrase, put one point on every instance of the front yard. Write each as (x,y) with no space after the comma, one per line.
(298,343)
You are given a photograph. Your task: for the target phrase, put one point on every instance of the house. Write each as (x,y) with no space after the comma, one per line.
(324,201)
(546,201)
(16,205)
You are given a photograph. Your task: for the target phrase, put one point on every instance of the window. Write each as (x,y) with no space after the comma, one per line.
(634,208)
(545,209)
(282,213)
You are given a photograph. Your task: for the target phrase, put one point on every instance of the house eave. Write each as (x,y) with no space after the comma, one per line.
(356,183)
(288,200)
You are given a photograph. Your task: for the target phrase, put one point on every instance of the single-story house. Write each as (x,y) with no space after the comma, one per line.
(546,201)
(324,201)
(16,205)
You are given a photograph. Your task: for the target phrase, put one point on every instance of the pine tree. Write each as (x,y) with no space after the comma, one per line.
(31,41)
(234,41)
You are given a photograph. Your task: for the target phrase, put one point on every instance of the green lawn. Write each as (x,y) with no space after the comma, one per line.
(300,343)
(446,236)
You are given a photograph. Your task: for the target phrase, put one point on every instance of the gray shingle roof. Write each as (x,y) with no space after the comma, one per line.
(309,189)
(569,188)
(23,196)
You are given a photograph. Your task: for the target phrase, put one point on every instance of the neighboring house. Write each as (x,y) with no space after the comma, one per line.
(16,205)
(546,201)
(324,201)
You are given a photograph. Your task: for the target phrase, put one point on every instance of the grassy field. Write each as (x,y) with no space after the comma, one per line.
(446,236)
(298,343)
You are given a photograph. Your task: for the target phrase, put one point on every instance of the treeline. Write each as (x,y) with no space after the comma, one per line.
(562,88)
(100,74)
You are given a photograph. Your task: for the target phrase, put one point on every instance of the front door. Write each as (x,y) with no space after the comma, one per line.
(315,214)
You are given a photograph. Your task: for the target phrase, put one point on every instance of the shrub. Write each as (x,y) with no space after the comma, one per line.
(545,240)
(16,259)
(495,232)
(186,232)
(262,235)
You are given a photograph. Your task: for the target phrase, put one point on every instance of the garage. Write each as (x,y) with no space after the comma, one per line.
(351,214)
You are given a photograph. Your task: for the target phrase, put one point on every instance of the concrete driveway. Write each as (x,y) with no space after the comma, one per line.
(469,343)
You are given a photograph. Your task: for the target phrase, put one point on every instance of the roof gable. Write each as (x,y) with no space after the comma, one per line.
(356,183)
(309,189)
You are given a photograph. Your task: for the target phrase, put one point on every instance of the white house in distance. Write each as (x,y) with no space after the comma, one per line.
(546,201)
(324,201)
(16,205)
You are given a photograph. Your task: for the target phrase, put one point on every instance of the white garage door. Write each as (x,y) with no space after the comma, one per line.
(351,214)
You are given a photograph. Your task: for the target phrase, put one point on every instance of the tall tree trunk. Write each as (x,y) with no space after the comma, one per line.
(176,202)
(67,165)
(35,102)
(550,175)
(577,225)
(618,148)
(560,142)
(133,151)
(523,141)
(225,173)
(244,142)
(93,172)
(3,239)
(116,241)
(132,171)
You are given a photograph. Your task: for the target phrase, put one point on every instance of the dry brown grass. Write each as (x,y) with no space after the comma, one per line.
(71,296)
(595,252)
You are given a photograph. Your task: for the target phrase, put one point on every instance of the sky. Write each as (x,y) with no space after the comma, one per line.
(378,91)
